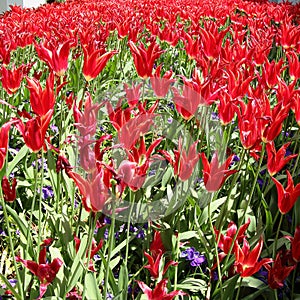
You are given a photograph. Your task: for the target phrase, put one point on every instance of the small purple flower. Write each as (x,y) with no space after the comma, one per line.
(106,234)
(215,116)
(196,259)
(107,220)
(54,128)
(141,234)
(47,192)
(260,182)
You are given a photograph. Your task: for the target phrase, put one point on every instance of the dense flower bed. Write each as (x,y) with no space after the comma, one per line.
(149,150)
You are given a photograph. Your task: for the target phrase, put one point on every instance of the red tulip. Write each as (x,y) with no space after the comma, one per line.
(11,79)
(94,191)
(4,132)
(246,261)
(94,61)
(94,250)
(161,85)
(280,270)
(295,244)
(132,172)
(55,57)
(296,108)
(214,175)
(277,160)
(248,125)
(288,196)
(46,272)
(294,66)
(41,100)
(183,162)
(144,58)
(225,241)
(132,94)
(160,291)
(34,131)
(9,192)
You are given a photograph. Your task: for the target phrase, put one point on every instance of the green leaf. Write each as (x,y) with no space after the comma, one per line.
(77,266)
(187,235)
(213,207)
(193,285)
(21,154)
(123,281)
(91,287)
(229,287)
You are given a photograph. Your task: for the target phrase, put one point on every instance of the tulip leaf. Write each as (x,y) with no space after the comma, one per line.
(229,287)
(21,154)
(192,284)
(123,281)
(77,266)
(213,207)
(92,291)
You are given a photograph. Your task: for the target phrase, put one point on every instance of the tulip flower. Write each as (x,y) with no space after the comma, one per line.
(295,244)
(280,270)
(225,241)
(46,272)
(132,172)
(94,250)
(93,190)
(296,108)
(161,85)
(277,160)
(132,94)
(55,57)
(183,162)
(4,132)
(41,100)
(144,58)
(248,125)
(157,250)
(246,261)
(214,175)
(288,196)
(11,79)
(94,61)
(160,291)
(34,131)
(9,192)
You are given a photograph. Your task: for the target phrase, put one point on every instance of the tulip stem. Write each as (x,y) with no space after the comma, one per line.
(131,200)
(40,203)
(277,235)
(110,247)
(19,282)
(215,244)
(239,289)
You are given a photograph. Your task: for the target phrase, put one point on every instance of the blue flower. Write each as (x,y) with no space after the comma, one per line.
(196,259)
(47,192)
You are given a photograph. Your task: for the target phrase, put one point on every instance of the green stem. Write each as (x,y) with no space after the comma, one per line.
(110,248)
(239,289)
(40,203)
(19,282)
(131,197)
(32,208)
(215,246)
(277,235)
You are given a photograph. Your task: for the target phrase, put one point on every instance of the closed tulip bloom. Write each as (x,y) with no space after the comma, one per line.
(9,191)
(4,133)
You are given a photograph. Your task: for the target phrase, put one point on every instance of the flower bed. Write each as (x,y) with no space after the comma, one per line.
(149,150)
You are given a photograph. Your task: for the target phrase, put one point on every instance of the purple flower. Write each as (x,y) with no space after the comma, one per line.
(106,234)
(47,192)
(196,259)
